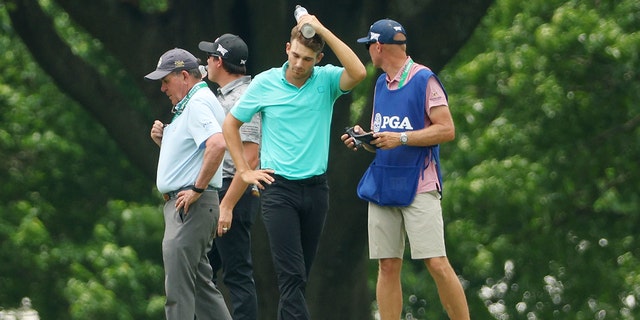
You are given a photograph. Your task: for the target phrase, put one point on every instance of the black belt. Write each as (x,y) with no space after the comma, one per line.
(173,194)
(321,178)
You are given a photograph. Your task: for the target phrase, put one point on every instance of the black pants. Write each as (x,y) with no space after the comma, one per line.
(294,213)
(232,254)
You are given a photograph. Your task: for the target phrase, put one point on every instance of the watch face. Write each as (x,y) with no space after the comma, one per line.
(403,138)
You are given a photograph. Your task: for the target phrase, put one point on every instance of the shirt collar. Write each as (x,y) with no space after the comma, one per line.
(284,73)
(234,84)
(285,65)
(398,75)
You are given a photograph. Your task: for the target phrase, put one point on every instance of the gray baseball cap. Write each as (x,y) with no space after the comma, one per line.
(172,60)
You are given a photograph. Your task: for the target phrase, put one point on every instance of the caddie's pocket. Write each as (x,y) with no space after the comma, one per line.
(389,185)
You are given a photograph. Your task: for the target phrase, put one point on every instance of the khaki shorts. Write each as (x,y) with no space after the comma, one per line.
(421,221)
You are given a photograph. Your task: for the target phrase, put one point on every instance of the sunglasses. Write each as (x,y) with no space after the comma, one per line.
(368,44)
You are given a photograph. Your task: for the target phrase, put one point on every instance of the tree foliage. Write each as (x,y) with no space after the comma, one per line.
(543,177)
(59,171)
(540,198)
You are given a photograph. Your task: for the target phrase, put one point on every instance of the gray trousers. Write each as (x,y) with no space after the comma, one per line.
(187,239)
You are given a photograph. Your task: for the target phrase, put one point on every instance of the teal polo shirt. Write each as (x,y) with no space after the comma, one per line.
(296,122)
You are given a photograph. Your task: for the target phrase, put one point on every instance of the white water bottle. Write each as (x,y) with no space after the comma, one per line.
(306,29)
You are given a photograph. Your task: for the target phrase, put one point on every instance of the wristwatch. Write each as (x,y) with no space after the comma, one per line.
(198,190)
(404,138)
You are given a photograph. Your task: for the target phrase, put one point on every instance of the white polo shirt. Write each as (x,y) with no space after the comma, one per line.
(183,142)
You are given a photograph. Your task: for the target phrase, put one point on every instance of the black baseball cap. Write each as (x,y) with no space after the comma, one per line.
(229,47)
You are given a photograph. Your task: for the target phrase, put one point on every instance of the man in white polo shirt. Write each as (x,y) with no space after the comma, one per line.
(189,174)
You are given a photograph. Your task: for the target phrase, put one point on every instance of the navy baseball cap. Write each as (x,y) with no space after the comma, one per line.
(229,47)
(173,60)
(383,31)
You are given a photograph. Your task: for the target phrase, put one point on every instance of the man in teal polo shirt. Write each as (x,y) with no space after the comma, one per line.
(296,106)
